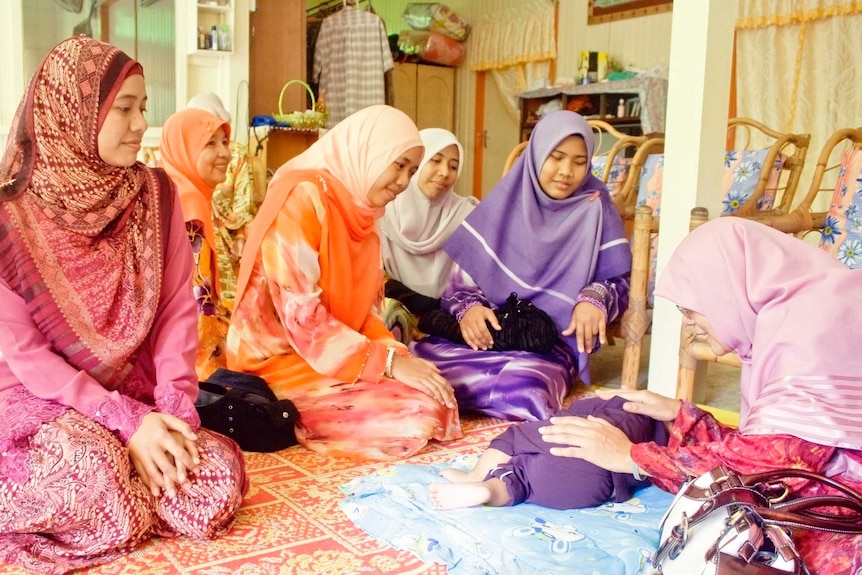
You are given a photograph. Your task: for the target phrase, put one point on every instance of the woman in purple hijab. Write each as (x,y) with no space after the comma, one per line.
(549,232)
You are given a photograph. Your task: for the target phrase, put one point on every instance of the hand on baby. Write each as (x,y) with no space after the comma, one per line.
(592,439)
(645,402)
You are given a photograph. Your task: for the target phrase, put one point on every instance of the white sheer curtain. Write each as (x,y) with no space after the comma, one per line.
(515,41)
(799,68)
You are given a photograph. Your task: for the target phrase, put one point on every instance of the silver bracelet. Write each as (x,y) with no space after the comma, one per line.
(390,355)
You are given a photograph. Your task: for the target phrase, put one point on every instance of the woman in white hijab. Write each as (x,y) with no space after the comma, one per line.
(415,227)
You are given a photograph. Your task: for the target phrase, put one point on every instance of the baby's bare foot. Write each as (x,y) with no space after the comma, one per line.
(456,475)
(457,495)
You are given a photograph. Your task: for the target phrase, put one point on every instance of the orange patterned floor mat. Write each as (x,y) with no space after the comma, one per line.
(290,522)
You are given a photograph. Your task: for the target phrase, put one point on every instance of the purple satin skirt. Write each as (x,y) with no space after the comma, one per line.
(514,385)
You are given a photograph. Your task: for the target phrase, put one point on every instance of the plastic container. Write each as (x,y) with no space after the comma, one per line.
(432,47)
(436,17)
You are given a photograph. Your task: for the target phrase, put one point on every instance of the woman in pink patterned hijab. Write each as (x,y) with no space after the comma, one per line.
(100,446)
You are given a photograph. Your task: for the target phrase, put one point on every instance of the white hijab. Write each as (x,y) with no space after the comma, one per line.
(415,228)
(211,103)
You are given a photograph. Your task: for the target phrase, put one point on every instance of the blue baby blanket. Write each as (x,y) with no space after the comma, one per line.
(393,505)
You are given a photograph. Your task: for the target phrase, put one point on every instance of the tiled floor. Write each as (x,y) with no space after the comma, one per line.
(720,387)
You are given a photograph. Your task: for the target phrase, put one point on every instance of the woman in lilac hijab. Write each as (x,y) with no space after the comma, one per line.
(549,232)
(793,315)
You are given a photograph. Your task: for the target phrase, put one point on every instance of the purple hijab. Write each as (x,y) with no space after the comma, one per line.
(520,240)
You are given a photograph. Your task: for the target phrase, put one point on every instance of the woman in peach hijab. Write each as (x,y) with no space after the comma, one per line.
(195,153)
(311,280)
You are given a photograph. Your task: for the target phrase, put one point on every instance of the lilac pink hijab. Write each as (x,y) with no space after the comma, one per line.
(518,239)
(793,314)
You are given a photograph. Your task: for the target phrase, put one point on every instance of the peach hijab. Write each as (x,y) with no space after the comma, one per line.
(793,314)
(184,136)
(348,159)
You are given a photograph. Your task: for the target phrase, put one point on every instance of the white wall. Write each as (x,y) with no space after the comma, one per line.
(45,23)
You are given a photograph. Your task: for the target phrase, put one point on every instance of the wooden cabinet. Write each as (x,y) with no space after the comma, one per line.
(277,55)
(426,93)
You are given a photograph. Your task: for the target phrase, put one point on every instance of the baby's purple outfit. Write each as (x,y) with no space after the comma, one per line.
(533,475)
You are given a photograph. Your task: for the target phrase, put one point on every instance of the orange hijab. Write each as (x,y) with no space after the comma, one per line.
(184,136)
(350,157)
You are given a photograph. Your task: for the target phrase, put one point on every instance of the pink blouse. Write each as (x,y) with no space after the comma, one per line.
(163,376)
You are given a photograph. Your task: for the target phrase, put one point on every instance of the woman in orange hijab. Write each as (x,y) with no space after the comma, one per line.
(306,317)
(195,153)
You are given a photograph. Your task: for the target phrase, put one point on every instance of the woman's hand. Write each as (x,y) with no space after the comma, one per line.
(588,321)
(645,402)
(592,439)
(475,330)
(423,376)
(164,452)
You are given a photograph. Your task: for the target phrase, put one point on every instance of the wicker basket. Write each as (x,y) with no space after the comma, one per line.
(312,119)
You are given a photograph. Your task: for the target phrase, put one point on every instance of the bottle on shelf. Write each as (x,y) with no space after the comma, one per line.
(213,38)
(621,108)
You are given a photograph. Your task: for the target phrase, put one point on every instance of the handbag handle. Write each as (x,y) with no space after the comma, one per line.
(799,514)
(724,476)
(780,474)
(732,489)
(241,381)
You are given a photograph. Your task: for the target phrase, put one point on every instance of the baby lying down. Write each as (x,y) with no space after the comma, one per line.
(518,467)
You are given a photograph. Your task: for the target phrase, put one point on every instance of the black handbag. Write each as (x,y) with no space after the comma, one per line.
(244,408)
(525,327)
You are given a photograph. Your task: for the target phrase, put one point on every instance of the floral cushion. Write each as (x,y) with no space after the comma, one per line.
(742,170)
(842,233)
(617,177)
(649,186)
(649,194)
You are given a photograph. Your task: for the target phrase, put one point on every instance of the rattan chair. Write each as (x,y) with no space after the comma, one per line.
(150,156)
(800,221)
(513,155)
(790,149)
(808,215)
(645,226)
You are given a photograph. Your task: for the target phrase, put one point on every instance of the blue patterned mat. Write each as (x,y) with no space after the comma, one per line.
(614,539)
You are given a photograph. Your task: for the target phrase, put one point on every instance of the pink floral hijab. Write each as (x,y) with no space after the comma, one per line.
(792,313)
(81,241)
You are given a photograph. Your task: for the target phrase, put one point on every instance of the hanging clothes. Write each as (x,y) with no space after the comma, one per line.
(350,59)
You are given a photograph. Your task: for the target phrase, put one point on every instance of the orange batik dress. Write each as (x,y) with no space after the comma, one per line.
(306,320)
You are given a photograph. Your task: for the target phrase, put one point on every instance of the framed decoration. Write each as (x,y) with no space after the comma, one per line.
(601,11)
